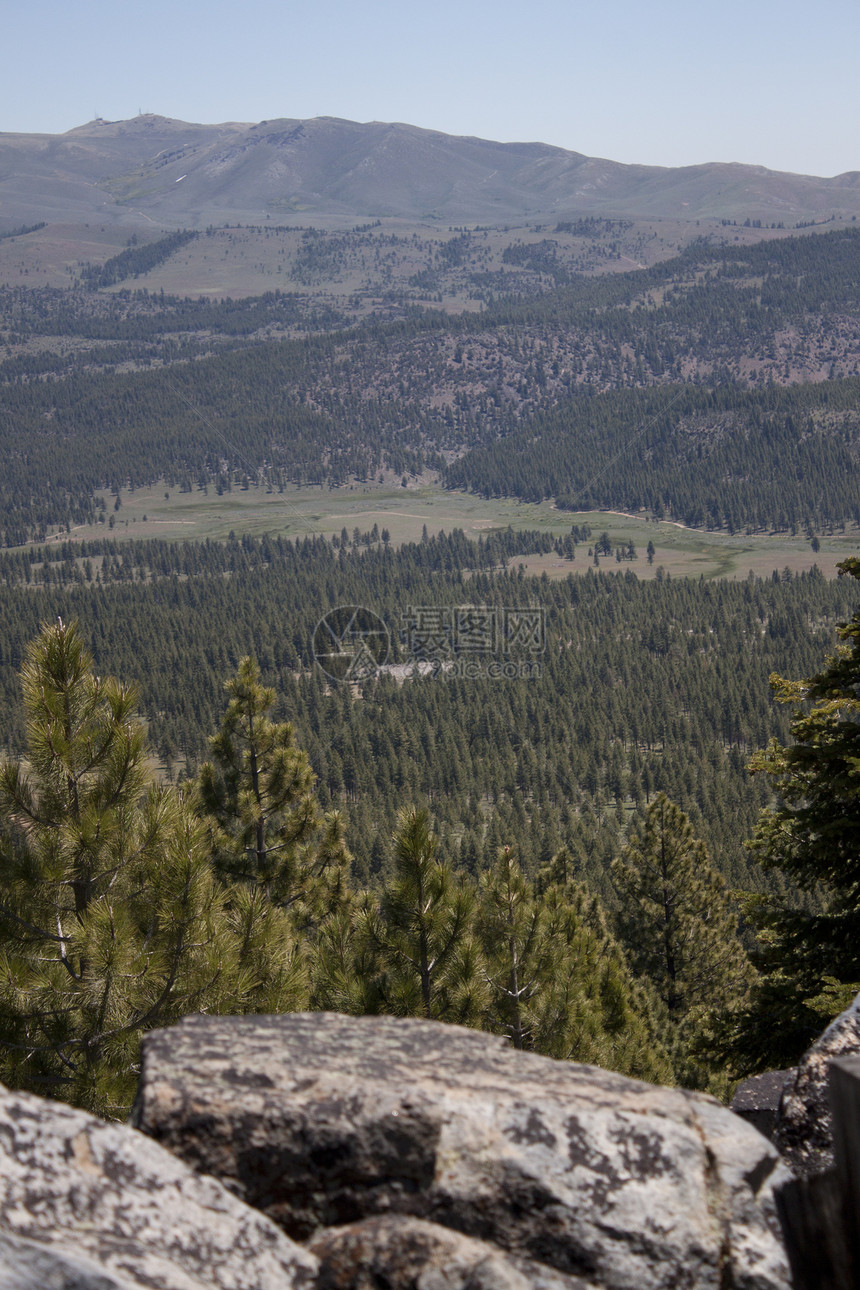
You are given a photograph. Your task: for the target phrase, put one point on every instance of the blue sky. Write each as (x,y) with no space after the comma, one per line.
(665,83)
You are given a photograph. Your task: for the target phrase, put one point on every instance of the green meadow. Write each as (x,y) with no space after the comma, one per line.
(404,512)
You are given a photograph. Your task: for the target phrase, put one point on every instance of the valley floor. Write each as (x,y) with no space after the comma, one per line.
(404,512)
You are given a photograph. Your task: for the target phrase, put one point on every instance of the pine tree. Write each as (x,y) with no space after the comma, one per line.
(111,919)
(520,949)
(259,792)
(558,982)
(593,1009)
(420,930)
(675,916)
(345,964)
(808,950)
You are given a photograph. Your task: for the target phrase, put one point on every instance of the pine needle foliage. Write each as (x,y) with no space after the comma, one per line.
(676,917)
(558,981)
(111,919)
(808,948)
(521,947)
(421,932)
(258,793)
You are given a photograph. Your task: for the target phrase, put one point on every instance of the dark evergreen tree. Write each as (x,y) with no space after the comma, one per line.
(420,930)
(808,951)
(259,791)
(675,916)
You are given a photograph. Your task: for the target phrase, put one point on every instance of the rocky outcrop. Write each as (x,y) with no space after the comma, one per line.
(88,1205)
(804,1130)
(402,1253)
(322,1121)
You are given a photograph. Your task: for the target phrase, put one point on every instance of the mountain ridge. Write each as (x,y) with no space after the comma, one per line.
(174,173)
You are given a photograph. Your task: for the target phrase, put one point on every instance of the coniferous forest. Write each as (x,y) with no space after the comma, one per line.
(617,847)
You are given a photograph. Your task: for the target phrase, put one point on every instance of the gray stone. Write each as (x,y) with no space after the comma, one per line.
(321,1120)
(99,1206)
(29,1265)
(756,1100)
(403,1253)
(804,1133)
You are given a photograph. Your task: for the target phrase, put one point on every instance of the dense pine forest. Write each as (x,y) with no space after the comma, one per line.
(643,686)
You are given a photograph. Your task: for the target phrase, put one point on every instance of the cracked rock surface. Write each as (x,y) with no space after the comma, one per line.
(89,1205)
(321,1120)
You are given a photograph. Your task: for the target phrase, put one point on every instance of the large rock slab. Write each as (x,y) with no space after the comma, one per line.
(88,1205)
(402,1253)
(322,1120)
(804,1131)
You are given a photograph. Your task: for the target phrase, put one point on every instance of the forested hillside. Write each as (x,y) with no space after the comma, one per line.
(783,457)
(534,397)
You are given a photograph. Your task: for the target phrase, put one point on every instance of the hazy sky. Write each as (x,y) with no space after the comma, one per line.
(668,82)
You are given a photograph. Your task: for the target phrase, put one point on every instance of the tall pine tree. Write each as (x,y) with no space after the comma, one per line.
(675,915)
(111,919)
(421,932)
(522,950)
(258,790)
